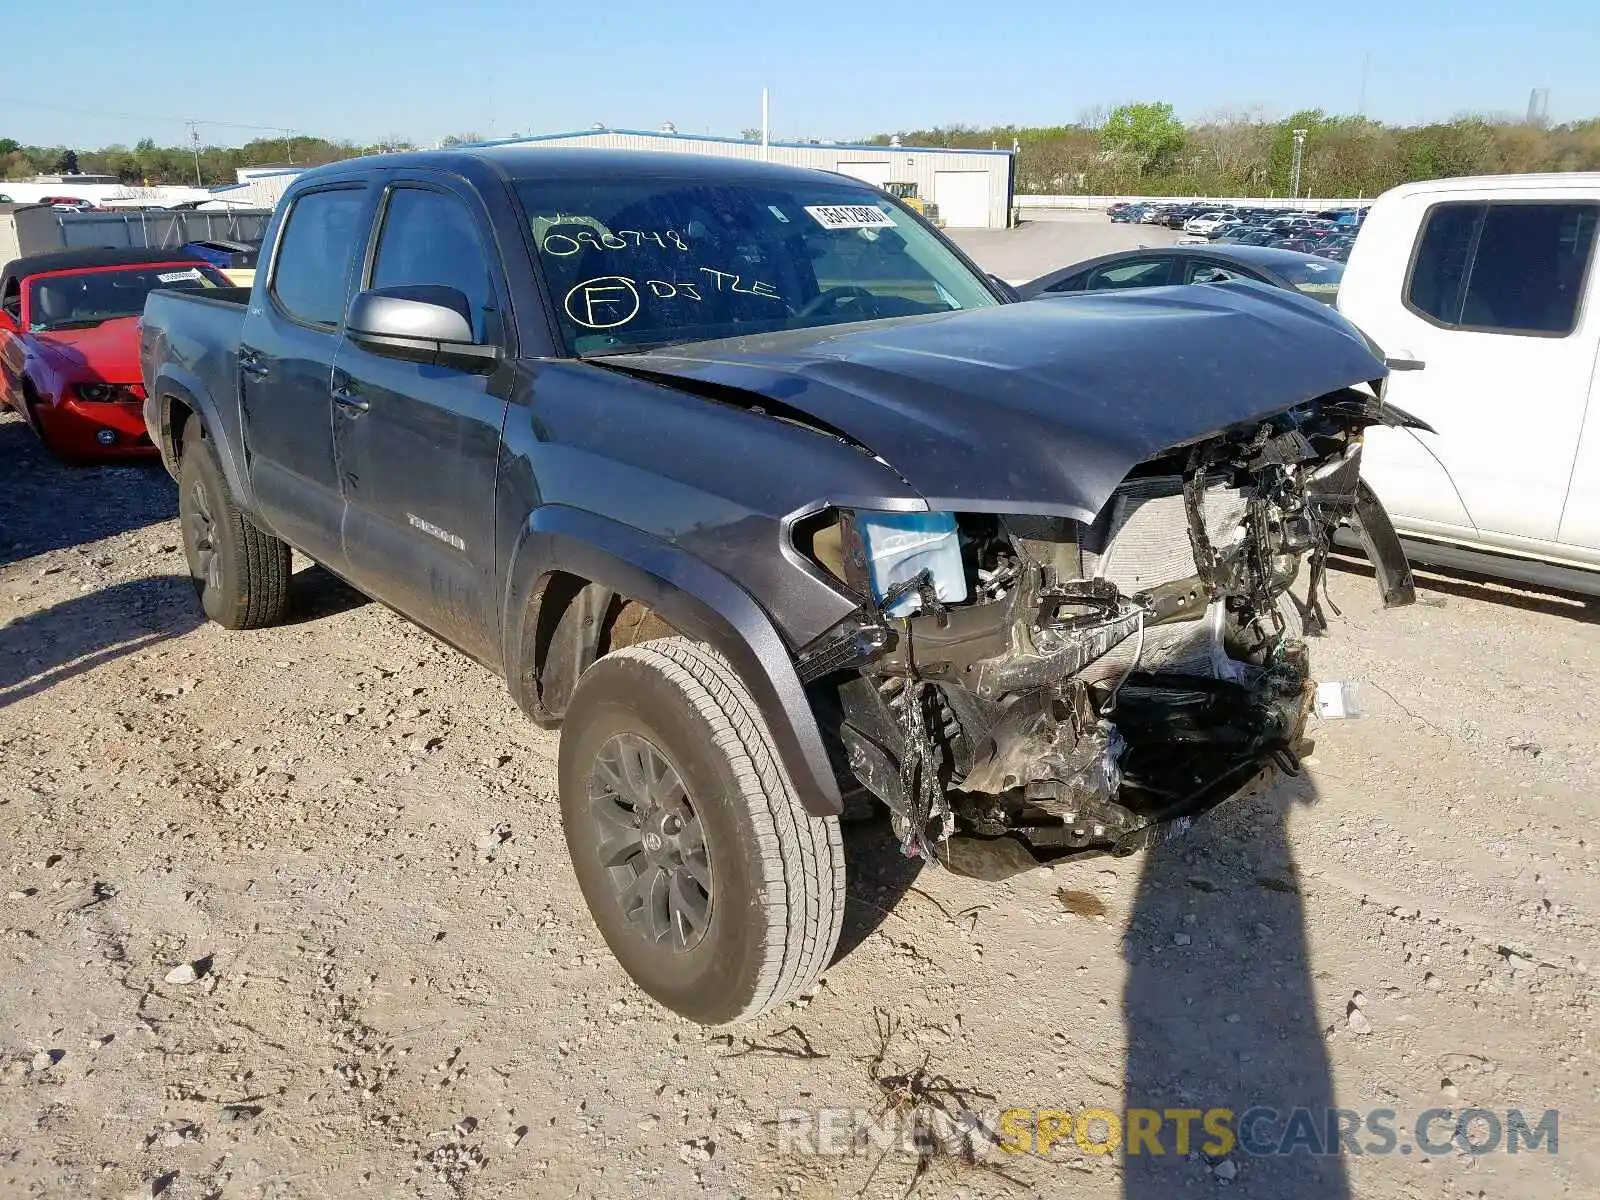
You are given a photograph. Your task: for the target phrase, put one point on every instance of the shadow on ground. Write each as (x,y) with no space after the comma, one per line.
(50,505)
(43,648)
(1530,597)
(879,876)
(319,593)
(1221,1011)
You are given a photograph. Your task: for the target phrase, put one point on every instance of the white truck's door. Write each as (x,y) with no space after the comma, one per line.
(1579,534)
(1487,293)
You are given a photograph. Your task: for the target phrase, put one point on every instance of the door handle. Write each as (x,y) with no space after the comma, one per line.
(346,394)
(250,363)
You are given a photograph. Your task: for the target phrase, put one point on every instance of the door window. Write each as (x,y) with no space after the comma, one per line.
(319,238)
(1143,273)
(1503,268)
(430,237)
(1204,272)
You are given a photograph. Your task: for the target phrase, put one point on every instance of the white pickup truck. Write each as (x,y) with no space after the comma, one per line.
(1485,297)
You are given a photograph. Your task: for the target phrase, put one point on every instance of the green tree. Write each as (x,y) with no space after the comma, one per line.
(1146,133)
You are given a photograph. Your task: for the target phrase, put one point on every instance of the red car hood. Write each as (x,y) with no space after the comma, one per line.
(104,353)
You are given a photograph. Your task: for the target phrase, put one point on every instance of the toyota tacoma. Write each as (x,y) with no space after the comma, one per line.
(746,477)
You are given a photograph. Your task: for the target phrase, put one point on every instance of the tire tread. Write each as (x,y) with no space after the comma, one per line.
(804,914)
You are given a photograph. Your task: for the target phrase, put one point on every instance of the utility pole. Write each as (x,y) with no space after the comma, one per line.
(194,139)
(1361,106)
(1294,171)
(766,135)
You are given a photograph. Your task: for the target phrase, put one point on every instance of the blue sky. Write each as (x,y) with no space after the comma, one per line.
(363,70)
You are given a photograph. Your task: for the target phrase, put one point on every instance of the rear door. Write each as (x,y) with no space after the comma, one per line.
(418,445)
(1492,306)
(1579,534)
(286,363)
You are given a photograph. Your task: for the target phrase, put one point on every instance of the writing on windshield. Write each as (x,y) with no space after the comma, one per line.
(642,263)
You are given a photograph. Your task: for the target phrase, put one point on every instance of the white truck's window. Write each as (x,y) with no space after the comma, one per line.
(313,263)
(1512,267)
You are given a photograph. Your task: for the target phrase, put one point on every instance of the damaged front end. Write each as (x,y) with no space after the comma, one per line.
(1094,684)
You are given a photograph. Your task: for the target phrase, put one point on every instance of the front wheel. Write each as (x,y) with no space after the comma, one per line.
(715,889)
(240,573)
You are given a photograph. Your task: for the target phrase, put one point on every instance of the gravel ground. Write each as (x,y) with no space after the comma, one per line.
(288,914)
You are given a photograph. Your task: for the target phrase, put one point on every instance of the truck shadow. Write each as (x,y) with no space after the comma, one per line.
(1530,597)
(319,593)
(77,635)
(879,876)
(1221,1011)
(49,505)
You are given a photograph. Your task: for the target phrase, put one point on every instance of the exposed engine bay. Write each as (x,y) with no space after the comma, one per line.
(1100,683)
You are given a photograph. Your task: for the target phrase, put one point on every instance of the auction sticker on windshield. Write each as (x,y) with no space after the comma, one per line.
(849,216)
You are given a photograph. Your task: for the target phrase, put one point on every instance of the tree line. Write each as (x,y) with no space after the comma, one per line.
(1144,149)
(148,164)
(1136,148)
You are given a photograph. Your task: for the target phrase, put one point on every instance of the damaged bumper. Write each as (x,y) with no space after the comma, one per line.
(1108,681)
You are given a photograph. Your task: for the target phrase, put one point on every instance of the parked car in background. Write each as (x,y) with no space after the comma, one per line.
(726,467)
(1485,295)
(1206,222)
(69,361)
(1165,265)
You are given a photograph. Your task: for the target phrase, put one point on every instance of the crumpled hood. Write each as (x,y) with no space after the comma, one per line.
(104,353)
(1044,406)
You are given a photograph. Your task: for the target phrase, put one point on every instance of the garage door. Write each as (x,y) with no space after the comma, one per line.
(875,173)
(963,198)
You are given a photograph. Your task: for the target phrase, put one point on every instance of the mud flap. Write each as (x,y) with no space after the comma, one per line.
(1382,545)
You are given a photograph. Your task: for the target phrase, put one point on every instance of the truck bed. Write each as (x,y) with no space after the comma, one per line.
(197,332)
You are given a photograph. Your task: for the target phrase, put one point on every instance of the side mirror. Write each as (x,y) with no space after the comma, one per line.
(7,322)
(422,323)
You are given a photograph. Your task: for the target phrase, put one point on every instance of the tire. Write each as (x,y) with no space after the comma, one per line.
(771,912)
(240,573)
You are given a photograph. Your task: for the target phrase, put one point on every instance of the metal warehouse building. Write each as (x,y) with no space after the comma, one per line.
(971,187)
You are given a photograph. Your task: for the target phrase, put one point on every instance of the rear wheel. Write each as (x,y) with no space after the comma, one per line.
(715,889)
(240,573)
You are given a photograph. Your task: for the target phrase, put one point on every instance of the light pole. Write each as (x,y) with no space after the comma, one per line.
(194,140)
(1294,172)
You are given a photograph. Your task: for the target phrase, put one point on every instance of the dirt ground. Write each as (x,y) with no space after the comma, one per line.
(351,835)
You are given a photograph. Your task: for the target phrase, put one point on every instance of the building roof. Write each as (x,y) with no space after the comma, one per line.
(706,137)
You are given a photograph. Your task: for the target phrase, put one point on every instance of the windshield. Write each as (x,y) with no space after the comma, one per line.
(79,301)
(1317,277)
(651,262)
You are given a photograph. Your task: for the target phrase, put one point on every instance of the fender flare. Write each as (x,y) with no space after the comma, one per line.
(693,597)
(176,384)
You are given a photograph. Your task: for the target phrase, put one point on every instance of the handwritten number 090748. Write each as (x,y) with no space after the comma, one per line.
(565,245)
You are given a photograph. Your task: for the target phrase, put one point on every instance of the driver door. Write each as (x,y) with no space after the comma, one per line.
(418,445)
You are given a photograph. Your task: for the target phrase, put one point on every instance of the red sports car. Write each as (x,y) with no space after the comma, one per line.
(69,344)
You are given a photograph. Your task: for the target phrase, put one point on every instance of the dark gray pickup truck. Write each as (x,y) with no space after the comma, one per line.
(752,481)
